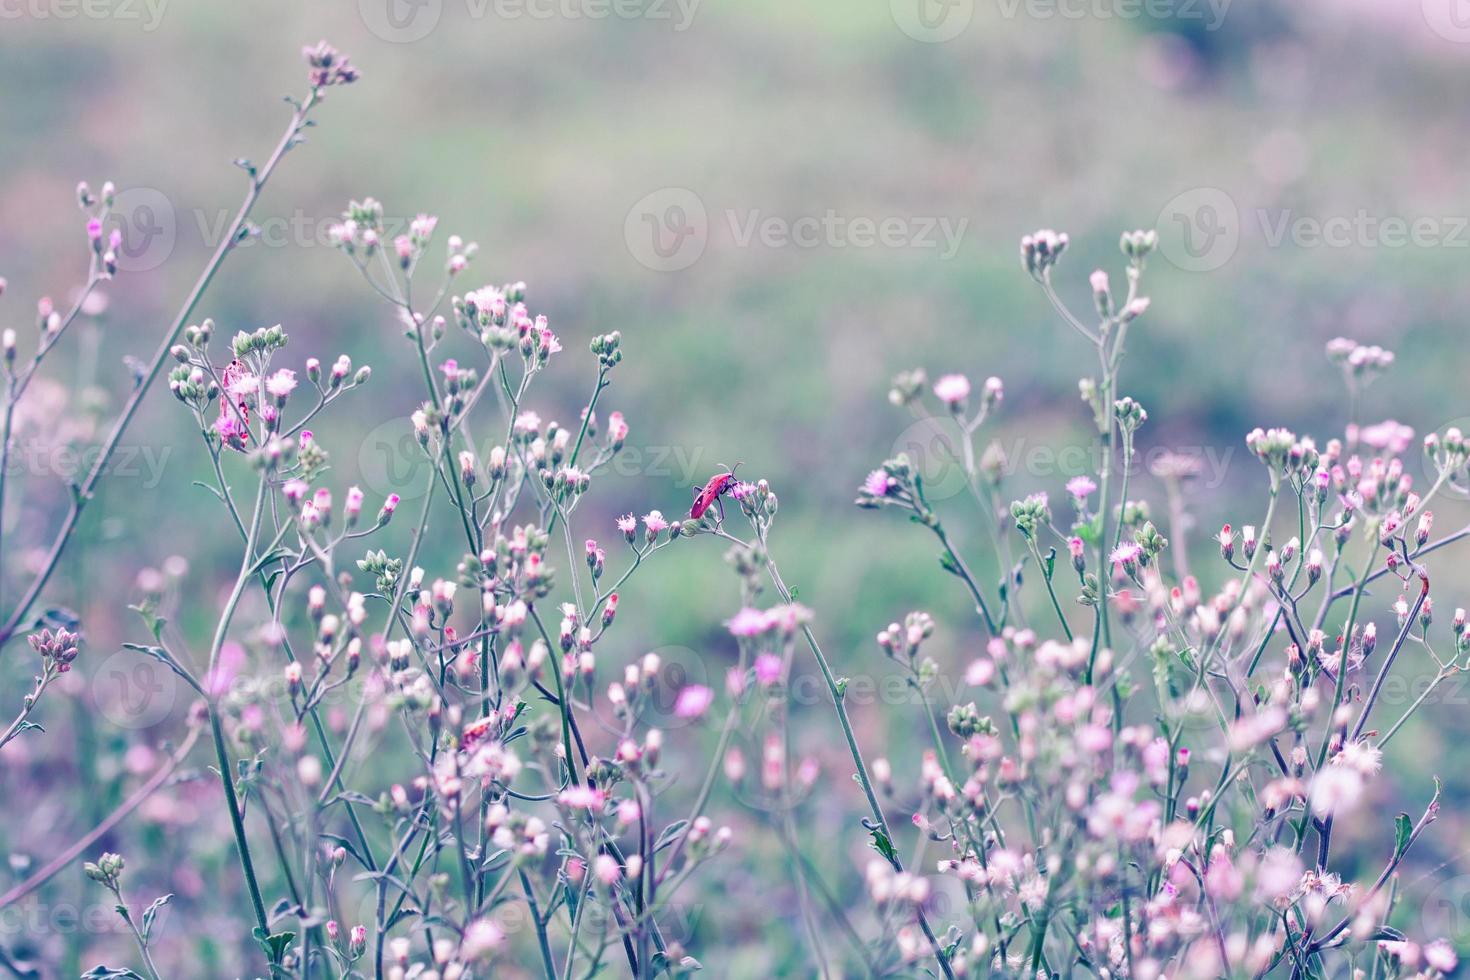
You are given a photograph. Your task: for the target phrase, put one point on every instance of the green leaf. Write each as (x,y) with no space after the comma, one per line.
(670,834)
(882,844)
(1403,831)
(275,945)
(151,913)
(1091,532)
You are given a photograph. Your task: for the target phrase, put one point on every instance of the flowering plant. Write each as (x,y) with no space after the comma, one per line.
(447,772)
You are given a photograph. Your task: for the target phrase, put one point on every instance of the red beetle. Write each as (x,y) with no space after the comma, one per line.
(709,495)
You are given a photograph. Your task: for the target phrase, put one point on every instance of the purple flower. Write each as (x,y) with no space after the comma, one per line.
(748,622)
(693,701)
(878,484)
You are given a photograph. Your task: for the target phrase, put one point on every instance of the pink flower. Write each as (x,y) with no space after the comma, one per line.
(1389,435)
(231,432)
(282,383)
(748,622)
(878,484)
(693,701)
(581,797)
(1126,554)
(654,522)
(952,389)
(1080,487)
(605,867)
(628,524)
(768,669)
(617,428)
(243,386)
(1441,956)
(980,672)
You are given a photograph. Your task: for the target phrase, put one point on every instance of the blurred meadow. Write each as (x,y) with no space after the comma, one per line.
(648,172)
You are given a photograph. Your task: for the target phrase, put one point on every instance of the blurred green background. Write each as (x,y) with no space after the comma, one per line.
(554,140)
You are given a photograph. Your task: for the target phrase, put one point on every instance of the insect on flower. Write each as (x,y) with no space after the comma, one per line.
(234,424)
(709,495)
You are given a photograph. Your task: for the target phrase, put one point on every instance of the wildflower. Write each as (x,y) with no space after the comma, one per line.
(693,701)
(580,797)
(748,622)
(653,523)
(768,669)
(1336,789)
(281,383)
(879,484)
(328,66)
(481,938)
(953,390)
(1126,557)
(1440,955)
(606,869)
(1080,488)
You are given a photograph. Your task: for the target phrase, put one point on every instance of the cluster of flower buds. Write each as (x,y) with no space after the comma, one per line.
(1283,453)
(409,248)
(328,66)
(1450,454)
(1138,244)
(1041,250)
(893,483)
(902,643)
(1130,414)
(57,650)
(1360,363)
(908,387)
(107,870)
(1031,514)
(105,247)
(608,348)
(483,312)
(361,228)
(757,501)
(385,570)
(523,836)
(640,680)
(967,722)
